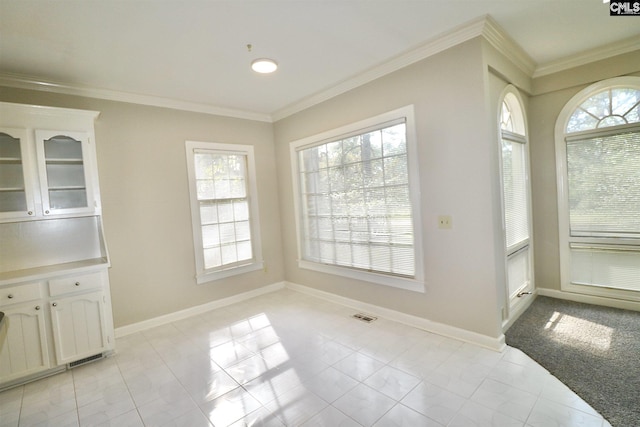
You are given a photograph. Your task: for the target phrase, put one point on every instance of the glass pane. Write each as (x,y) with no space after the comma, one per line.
(606,268)
(9,147)
(624,100)
(604,185)
(394,140)
(371,146)
(67,199)
(62,147)
(611,107)
(229,254)
(205,189)
(13,201)
(11,175)
(208,213)
(225,212)
(241,210)
(598,105)
(395,170)
(518,271)
(227,233)
(203,166)
(514,187)
(243,230)
(245,252)
(210,236)
(212,258)
(65,175)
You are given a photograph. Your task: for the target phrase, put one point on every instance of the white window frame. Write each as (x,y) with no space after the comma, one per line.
(207,275)
(519,135)
(565,239)
(415,283)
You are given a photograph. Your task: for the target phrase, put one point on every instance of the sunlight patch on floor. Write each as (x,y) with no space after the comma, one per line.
(581,333)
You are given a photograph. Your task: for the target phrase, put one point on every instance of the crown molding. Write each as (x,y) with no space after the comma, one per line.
(592,55)
(436,45)
(504,44)
(483,26)
(26,82)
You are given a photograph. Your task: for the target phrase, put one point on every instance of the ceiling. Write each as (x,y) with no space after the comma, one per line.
(195,52)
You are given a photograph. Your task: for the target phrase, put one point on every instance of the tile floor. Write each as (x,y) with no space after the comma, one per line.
(290,359)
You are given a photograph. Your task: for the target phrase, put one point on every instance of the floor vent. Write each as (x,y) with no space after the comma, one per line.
(364,317)
(86,360)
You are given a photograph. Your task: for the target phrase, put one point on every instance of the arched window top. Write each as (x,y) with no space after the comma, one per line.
(610,107)
(511,115)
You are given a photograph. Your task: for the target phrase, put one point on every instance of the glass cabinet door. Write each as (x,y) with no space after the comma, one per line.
(63,172)
(15,194)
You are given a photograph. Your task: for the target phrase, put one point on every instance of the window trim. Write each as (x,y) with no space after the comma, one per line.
(564,237)
(520,124)
(415,283)
(203,275)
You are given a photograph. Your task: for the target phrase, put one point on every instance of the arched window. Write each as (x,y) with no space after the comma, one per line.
(515,195)
(598,158)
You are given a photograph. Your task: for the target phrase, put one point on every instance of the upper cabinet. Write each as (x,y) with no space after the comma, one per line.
(65,172)
(48,164)
(16,197)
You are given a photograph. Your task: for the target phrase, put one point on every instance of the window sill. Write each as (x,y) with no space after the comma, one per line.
(207,277)
(408,284)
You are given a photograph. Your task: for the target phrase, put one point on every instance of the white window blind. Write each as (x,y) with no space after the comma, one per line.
(224,208)
(224,211)
(355,201)
(604,185)
(514,176)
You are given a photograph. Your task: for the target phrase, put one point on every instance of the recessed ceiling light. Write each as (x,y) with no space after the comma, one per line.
(264,65)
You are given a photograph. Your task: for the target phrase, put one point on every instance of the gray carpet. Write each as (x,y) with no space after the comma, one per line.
(594,350)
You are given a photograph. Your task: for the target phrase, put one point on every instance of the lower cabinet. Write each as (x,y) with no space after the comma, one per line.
(24,351)
(78,324)
(52,322)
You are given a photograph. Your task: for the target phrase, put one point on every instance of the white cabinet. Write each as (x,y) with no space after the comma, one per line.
(24,350)
(51,323)
(48,163)
(54,282)
(78,320)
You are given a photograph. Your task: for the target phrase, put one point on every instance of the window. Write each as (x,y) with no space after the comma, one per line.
(356,200)
(515,195)
(224,209)
(598,149)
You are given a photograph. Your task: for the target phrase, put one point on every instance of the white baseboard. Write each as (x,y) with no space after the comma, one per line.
(192,311)
(496,344)
(590,299)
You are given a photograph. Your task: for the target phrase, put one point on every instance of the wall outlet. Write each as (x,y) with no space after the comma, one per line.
(445,222)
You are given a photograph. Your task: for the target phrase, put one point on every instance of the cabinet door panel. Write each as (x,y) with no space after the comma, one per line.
(24,351)
(16,198)
(78,326)
(64,166)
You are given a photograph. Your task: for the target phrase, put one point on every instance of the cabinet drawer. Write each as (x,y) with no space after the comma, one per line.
(65,285)
(19,293)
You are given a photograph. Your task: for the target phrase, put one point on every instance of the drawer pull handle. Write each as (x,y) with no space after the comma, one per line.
(10,296)
(55,304)
(30,213)
(77,283)
(37,307)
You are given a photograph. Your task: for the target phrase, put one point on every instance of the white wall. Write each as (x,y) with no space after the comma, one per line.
(550,94)
(457,161)
(145,198)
